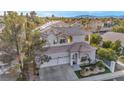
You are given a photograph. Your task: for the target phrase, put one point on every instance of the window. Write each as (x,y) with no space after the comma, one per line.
(62,41)
(74,56)
(86,38)
(70,39)
(54,42)
(84,58)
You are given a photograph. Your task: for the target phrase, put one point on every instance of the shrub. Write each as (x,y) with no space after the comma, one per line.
(21,77)
(107,54)
(107,44)
(100,64)
(95,39)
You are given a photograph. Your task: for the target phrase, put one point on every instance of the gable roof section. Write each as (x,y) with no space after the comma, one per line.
(70,30)
(74,47)
(81,46)
(61,27)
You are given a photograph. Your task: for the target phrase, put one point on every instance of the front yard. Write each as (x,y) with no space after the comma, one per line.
(91,70)
(121,59)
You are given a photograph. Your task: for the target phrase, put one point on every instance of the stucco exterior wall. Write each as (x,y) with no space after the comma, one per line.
(64,58)
(51,38)
(90,53)
(57,59)
(78,38)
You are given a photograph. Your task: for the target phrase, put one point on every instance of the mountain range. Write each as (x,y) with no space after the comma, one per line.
(92,16)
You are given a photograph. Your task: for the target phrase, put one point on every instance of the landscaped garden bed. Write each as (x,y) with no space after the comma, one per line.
(92,69)
(121,59)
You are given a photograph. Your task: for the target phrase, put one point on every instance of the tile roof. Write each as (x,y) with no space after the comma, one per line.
(74,47)
(70,30)
(81,46)
(61,27)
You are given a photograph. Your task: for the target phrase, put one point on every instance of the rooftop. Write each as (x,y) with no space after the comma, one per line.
(113,36)
(60,27)
(74,47)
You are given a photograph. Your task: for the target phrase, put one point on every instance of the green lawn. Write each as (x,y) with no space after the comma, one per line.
(79,76)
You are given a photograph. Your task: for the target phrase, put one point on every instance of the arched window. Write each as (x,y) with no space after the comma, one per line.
(70,39)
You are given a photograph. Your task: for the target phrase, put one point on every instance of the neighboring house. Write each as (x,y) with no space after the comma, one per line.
(113,36)
(95,24)
(101,27)
(73,54)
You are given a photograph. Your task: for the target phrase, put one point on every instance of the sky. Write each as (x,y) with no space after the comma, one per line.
(76,13)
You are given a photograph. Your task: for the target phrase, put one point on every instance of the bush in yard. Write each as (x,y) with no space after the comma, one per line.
(95,39)
(21,77)
(107,44)
(107,54)
(100,64)
(117,46)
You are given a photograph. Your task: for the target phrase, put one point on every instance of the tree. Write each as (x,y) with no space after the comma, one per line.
(53,15)
(95,39)
(117,46)
(13,33)
(107,44)
(107,54)
(33,14)
(19,34)
(119,29)
(33,42)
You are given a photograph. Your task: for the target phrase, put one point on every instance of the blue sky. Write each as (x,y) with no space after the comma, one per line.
(77,13)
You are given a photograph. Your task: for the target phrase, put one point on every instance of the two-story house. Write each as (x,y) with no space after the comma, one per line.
(66,45)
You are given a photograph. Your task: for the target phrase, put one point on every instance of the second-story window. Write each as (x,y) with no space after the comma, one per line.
(62,41)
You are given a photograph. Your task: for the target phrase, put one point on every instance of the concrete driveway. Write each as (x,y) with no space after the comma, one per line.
(58,73)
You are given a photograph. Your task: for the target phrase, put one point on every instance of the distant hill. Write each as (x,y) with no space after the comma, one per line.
(92,16)
(85,16)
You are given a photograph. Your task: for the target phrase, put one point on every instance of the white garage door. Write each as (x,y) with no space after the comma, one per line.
(56,61)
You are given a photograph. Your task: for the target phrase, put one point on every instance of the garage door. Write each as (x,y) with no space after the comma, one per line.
(56,61)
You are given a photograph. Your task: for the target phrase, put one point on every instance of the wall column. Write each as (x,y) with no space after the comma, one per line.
(112,66)
(71,63)
(78,59)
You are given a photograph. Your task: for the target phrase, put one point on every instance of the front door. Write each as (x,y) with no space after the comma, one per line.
(74,58)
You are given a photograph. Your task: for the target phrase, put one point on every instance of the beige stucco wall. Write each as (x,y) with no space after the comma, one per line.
(79,38)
